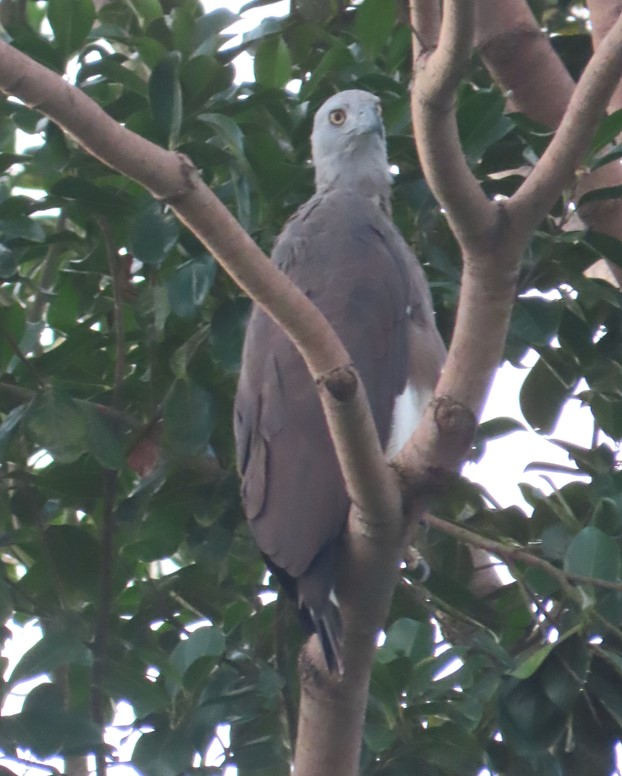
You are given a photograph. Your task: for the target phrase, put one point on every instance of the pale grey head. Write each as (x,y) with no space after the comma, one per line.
(348,145)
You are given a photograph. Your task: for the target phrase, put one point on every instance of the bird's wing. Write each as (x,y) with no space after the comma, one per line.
(348,259)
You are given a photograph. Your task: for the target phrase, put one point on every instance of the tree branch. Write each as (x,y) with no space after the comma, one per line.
(425,19)
(554,170)
(436,77)
(521,59)
(603,16)
(509,552)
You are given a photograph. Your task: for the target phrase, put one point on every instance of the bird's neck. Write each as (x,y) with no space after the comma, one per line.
(355,170)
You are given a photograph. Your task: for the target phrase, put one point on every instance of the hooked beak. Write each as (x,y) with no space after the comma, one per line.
(370,122)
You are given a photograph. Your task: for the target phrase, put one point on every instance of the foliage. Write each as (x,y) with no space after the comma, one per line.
(119,343)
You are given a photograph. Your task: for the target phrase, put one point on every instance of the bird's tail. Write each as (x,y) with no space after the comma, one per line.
(329,628)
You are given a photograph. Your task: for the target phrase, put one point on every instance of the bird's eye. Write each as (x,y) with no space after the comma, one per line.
(337,117)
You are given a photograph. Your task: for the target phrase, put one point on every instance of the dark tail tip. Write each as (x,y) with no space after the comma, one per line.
(329,628)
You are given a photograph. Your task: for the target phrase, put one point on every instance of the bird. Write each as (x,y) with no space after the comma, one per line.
(343,251)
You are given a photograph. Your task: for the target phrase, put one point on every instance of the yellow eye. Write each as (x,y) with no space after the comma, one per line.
(337,117)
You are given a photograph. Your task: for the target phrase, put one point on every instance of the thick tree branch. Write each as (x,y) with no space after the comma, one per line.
(492,245)
(425,19)
(603,16)
(555,169)
(453,52)
(521,59)
(436,77)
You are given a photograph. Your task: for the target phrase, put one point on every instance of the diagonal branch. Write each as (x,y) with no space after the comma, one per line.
(451,58)
(436,78)
(522,60)
(425,19)
(538,193)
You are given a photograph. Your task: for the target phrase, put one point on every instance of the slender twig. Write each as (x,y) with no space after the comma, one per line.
(515,552)
(48,272)
(596,615)
(530,601)
(108,525)
(21,357)
(33,764)
(112,257)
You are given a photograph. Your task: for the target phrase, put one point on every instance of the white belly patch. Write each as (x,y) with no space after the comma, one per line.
(407,412)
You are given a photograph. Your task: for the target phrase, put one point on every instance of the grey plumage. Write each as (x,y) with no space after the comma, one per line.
(343,251)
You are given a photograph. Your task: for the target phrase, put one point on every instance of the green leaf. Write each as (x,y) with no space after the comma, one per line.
(535,321)
(410,638)
(545,389)
(152,235)
(71,21)
(529,720)
(593,554)
(8,426)
(103,438)
(106,200)
(227,333)
(207,29)
(12,326)
(22,227)
(607,516)
(47,729)
(166,98)
(563,675)
(189,284)
(598,195)
(188,419)
(181,358)
(528,666)
(55,422)
(273,63)
(605,245)
(498,427)
(74,554)
(228,132)
(373,24)
(163,753)
(608,129)
(127,680)
(8,262)
(208,641)
(146,10)
(56,648)
(482,121)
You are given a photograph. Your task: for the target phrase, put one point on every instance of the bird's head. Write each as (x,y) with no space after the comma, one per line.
(348,144)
